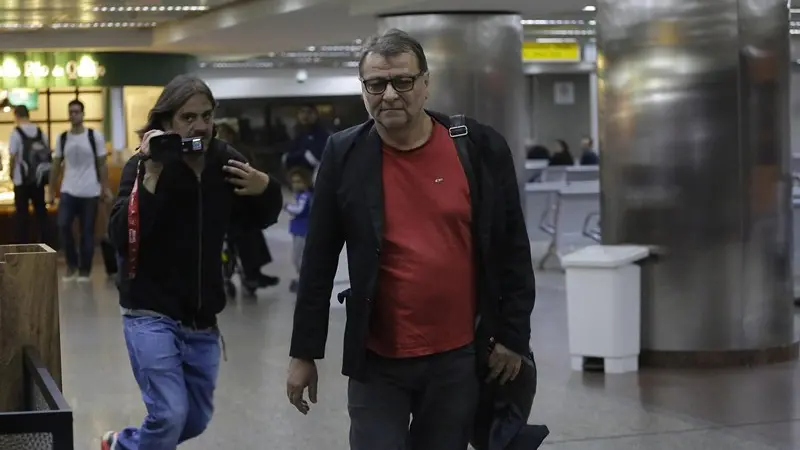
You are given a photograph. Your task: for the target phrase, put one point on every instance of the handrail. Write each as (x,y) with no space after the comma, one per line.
(546,222)
(593,233)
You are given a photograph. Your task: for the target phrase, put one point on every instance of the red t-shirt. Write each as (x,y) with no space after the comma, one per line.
(426,296)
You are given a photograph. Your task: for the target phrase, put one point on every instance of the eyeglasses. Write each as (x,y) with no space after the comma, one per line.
(402,83)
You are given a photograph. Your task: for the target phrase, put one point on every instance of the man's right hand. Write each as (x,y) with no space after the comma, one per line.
(152,167)
(302,375)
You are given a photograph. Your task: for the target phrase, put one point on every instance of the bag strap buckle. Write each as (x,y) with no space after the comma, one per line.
(458,131)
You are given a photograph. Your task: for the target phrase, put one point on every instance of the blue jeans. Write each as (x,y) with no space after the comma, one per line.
(176,370)
(85,210)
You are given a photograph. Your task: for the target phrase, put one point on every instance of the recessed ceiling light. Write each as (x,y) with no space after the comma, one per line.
(149,8)
(77,25)
(589,8)
(20,26)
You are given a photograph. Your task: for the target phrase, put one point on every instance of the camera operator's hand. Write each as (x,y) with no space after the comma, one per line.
(152,167)
(248,181)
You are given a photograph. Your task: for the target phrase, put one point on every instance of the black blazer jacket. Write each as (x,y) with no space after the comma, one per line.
(348,208)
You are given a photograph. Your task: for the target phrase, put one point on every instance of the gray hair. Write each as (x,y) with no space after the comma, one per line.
(392,43)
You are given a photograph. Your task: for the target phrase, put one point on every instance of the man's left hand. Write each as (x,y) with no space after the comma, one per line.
(108,196)
(248,181)
(504,365)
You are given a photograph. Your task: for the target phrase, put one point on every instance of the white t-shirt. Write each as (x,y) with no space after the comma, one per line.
(80,170)
(15,148)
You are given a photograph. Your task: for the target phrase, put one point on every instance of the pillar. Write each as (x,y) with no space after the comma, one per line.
(118,132)
(695,133)
(475,62)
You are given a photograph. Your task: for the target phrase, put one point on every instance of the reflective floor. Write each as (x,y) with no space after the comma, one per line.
(732,409)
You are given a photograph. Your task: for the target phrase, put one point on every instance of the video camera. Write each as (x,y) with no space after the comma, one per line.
(167,148)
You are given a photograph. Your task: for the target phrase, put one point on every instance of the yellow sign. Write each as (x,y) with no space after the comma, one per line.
(86,67)
(551,51)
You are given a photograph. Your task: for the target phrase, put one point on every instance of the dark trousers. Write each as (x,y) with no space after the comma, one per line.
(438,392)
(252,250)
(84,209)
(23,196)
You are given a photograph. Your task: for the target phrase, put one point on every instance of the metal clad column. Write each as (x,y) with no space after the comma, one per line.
(695,136)
(475,60)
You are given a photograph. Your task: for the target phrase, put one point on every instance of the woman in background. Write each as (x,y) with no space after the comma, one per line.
(561,155)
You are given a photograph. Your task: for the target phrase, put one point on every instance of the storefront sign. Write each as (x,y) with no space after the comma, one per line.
(49,69)
(85,67)
(538,51)
(41,70)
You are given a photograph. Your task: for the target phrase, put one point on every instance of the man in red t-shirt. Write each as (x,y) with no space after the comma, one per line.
(441,278)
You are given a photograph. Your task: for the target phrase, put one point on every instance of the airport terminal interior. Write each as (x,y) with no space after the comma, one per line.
(658,162)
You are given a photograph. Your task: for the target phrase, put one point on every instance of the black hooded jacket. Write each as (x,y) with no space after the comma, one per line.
(181,230)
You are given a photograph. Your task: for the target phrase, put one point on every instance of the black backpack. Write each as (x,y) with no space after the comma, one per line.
(92,142)
(36,158)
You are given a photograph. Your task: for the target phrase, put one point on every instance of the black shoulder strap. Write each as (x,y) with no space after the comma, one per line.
(467,153)
(62,142)
(93,143)
(39,135)
(22,134)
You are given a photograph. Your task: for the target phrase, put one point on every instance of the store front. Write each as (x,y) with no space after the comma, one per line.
(117,90)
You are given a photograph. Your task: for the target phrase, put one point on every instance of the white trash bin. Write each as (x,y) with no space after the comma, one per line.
(604,305)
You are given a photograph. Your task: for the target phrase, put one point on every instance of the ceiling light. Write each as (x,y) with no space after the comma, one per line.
(20,26)
(589,8)
(149,8)
(553,22)
(84,25)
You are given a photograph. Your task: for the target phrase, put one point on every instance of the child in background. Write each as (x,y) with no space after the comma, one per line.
(300,179)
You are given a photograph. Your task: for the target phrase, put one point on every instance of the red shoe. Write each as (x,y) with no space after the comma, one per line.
(109,441)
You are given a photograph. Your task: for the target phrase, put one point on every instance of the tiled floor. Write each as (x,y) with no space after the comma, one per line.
(751,409)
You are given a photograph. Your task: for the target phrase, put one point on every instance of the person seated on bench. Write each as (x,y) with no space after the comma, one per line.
(561,155)
(589,157)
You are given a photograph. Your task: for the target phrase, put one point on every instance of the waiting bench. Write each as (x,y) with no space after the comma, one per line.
(568,219)
(45,422)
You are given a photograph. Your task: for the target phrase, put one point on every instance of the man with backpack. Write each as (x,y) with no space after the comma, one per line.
(82,153)
(30,157)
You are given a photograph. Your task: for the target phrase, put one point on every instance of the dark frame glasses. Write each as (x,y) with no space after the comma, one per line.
(400,83)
